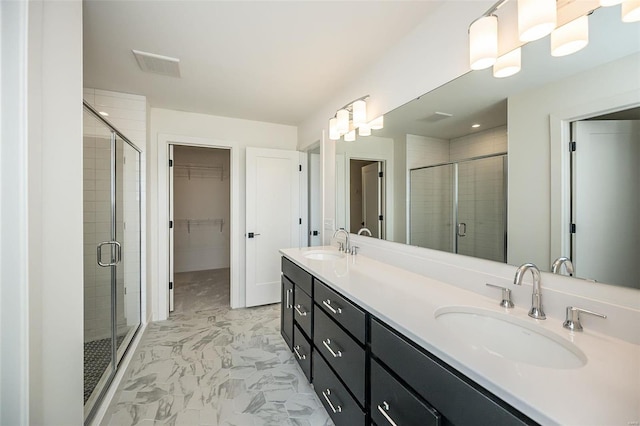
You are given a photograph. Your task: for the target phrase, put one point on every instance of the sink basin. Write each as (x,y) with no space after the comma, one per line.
(323,255)
(508,337)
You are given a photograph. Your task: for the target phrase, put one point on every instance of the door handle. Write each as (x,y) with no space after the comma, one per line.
(383,410)
(118,253)
(327,344)
(301,313)
(300,356)
(252,234)
(462,229)
(335,408)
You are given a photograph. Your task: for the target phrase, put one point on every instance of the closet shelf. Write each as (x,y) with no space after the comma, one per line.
(200,171)
(188,223)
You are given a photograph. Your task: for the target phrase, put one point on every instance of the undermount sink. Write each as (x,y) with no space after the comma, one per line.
(323,255)
(508,337)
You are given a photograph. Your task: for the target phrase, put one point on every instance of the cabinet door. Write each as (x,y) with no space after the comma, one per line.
(286,317)
(345,313)
(302,310)
(302,351)
(393,404)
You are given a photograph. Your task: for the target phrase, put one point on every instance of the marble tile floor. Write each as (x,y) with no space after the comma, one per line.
(210,365)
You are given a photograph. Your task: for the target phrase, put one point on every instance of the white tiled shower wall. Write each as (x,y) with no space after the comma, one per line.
(429,183)
(127,113)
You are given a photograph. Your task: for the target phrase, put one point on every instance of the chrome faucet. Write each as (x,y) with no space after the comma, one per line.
(536,298)
(557,265)
(365,230)
(346,247)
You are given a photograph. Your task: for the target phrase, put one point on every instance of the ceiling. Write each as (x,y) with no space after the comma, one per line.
(272,61)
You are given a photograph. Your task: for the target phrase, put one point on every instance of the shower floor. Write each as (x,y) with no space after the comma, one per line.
(97,356)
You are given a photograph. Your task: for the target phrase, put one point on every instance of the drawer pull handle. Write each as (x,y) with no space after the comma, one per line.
(296,349)
(301,313)
(335,409)
(335,311)
(327,344)
(289,305)
(383,410)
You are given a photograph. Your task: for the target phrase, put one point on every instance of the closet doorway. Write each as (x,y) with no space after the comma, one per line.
(199,238)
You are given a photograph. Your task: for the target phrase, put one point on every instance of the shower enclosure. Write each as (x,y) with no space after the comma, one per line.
(461,207)
(112,248)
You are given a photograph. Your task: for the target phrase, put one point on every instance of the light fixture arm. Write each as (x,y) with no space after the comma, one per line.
(349,106)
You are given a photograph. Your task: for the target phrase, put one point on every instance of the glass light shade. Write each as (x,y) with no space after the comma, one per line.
(359,113)
(605,3)
(508,64)
(536,18)
(364,130)
(334,135)
(631,11)
(350,136)
(483,42)
(570,37)
(377,123)
(342,117)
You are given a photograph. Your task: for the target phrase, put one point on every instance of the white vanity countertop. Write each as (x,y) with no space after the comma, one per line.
(605,391)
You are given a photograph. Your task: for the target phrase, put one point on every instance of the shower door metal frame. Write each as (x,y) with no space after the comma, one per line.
(116,255)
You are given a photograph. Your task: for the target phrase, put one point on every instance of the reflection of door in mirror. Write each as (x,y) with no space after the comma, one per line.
(365,196)
(315,197)
(606,201)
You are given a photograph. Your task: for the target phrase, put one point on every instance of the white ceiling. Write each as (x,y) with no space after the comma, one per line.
(273,61)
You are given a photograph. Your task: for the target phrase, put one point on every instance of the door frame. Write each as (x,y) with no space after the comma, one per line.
(162,286)
(560,136)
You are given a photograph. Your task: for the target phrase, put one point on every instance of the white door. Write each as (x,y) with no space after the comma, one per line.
(315,200)
(606,201)
(372,199)
(273,219)
(171,233)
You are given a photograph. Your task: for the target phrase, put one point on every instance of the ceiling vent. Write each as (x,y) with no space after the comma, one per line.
(157,64)
(437,116)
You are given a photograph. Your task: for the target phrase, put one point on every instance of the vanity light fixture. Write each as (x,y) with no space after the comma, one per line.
(483,42)
(350,118)
(570,37)
(508,64)
(631,11)
(536,18)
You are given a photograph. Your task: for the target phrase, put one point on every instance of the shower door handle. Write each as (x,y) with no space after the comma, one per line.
(118,254)
(462,229)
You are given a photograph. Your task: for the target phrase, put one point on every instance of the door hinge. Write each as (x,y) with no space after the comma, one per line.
(380,174)
(300,221)
(299,167)
(380,217)
(572,146)
(170,224)
(170,285)
(170,163)
(572,228)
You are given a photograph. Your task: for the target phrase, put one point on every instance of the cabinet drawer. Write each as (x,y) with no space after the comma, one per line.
(302,309)
(302,351)
(458,400)
(341,310)
(341,406)
(297,275)
(393,404)
(341,351)
(286,316)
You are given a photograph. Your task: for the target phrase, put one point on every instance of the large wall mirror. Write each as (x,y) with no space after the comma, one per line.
(482,166)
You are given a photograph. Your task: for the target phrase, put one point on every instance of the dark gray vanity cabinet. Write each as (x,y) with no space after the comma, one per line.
(286,312)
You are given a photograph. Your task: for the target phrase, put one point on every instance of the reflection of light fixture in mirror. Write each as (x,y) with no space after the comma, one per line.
(475,126)
(536,18)
(606,3)
(350,136)
(377,123)
(483,42)
(359,112)
(631,11)
(334,135)
(342,124)
(103,113)
(508,64)
(364,130)
(570,37)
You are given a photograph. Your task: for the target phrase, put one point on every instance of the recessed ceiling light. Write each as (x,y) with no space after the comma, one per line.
(104,114)
(475,126)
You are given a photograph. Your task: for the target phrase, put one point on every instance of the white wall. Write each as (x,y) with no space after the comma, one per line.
(55,213)
(183,128)
(531,151)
